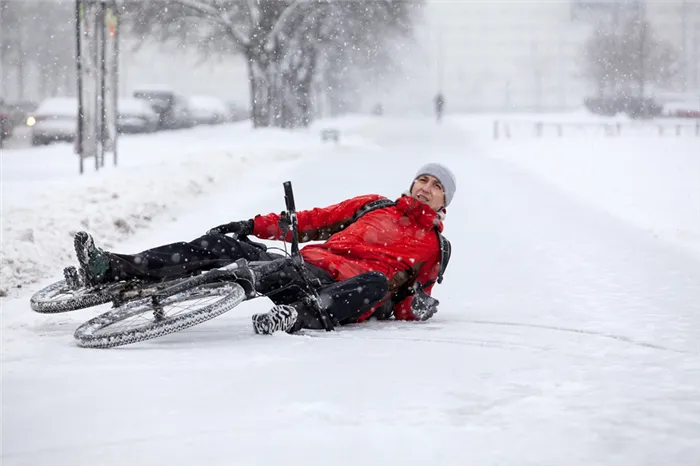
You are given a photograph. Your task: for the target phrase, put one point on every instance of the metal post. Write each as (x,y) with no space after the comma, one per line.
(101,37)
(78,146)
(93,84)
(684,42)
(115,76)
(642,41)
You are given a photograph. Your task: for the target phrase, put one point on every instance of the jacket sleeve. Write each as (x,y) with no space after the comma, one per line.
(315,224)
(428,273)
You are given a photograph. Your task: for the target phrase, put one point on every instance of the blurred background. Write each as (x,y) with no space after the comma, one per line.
(607,56)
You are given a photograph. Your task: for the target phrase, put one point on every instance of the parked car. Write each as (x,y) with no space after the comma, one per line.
(136,116)
(20,110)
(172,109)
(207,110)
(634,107)
(55,119)
(689,108)
(637,107)
(237,112)
(601,106)
(6,124)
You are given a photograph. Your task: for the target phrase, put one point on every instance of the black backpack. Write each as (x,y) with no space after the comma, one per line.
(445,246)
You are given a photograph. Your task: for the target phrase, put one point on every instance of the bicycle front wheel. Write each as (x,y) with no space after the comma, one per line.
(147,318)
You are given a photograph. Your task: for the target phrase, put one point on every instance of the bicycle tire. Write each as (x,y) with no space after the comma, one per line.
(231,295)
(44,301)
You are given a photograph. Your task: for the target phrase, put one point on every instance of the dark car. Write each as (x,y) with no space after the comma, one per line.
(634,107)
(172,108)
(638,107)
(20,110)
(601,106)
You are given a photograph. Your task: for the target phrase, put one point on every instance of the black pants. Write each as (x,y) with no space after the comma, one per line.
(344,301)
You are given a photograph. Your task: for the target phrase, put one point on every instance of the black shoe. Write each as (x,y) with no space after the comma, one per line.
(93,260)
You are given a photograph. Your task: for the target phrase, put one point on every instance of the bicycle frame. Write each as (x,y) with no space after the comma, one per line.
(231,272)
(298,261)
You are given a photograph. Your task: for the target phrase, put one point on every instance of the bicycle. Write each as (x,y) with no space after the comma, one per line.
(210,294)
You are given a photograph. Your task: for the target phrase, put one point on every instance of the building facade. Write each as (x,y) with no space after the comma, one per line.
(528,54)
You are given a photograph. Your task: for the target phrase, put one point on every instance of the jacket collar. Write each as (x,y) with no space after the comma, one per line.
(419,212)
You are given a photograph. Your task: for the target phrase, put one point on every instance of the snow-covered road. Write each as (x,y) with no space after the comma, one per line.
(567,334)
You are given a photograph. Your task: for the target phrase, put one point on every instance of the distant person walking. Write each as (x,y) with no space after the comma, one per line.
(439,105)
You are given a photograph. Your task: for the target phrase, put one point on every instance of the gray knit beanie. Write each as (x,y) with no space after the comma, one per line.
(442,173)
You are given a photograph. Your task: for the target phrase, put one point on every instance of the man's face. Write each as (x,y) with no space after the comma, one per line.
(429,190)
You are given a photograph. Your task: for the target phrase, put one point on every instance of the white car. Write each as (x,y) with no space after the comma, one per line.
(56,119)
(206,110)
(136,116)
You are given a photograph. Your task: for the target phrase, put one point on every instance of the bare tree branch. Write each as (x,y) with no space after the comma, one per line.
(219,15)
(253,12)
(269,40)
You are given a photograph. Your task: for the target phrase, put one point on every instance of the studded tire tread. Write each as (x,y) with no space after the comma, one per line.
(44,302)
(231,296)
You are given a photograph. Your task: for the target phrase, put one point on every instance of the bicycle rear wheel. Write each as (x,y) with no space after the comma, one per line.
(59,297)
(145,319)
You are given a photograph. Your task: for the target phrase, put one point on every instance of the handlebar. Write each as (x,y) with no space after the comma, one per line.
(295,257)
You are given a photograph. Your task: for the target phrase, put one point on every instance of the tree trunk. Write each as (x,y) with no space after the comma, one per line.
(259,90)
(276,96)
(280,92)
(306,91)
(295,86)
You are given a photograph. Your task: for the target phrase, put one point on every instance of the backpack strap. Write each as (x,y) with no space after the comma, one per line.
(445,253)
(373,205)
(445,246)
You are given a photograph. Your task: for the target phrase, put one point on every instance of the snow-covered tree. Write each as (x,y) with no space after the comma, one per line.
(33,38)
(625,61)
(291,46)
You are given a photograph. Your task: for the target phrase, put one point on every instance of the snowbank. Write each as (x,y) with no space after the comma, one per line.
(45,200)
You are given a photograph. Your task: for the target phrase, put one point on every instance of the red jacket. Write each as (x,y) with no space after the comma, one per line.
(398,241)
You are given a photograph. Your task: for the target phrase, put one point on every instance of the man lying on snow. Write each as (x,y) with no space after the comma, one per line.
(380,257)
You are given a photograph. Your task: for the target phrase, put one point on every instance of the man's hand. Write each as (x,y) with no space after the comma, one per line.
(423,306)
(241,228)
(284,223)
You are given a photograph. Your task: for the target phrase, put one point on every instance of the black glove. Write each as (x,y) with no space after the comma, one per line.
(240,228)
(423,306)
(284,223)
